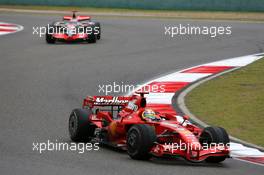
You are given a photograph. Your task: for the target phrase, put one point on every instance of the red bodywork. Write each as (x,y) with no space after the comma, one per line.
(66,37)
(172,134)
(76,36)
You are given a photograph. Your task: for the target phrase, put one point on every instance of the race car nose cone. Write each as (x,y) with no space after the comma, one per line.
(196,146)
(70,32)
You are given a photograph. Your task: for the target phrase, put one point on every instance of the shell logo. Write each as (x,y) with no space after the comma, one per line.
(112,128)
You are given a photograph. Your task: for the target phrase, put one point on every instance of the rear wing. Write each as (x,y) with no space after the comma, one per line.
(78,18)
(91,101)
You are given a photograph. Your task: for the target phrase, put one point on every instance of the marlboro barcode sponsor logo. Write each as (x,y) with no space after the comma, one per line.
(110,101)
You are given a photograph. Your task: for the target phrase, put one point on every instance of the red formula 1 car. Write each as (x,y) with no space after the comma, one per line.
(128,123)
(73,28)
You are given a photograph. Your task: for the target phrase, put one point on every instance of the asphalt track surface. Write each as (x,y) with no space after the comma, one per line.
(40,84)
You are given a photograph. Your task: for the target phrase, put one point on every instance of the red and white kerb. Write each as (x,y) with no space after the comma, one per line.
(162,101)
(7,28)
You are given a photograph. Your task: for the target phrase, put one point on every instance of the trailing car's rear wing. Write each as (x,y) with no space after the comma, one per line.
(91,101)
(78,18)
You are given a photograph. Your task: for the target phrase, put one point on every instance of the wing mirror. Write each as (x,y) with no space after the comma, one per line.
(185,117)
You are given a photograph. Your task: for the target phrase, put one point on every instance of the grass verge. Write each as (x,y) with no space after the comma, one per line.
(234,101)
(208,15)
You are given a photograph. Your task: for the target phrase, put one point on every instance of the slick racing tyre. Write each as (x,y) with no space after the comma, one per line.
(98,25)
(91,38)
(49,38)
(214,135)
(140,139)
(80,128)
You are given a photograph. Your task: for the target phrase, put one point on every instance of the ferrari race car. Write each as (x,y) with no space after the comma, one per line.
(126,122)
(73,28)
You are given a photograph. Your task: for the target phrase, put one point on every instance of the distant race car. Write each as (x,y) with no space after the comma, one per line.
(127,122)
(73,28)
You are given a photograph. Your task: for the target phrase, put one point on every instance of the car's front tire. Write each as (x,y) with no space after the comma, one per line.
(80,127)
(49,38)
(140,139)
(91,38)
(98,25)
(215,135)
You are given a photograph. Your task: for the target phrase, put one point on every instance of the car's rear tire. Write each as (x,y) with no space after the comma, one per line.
(214,135)
(140,139)
(80,127)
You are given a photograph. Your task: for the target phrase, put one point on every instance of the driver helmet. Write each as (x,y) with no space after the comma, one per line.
(149,114)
